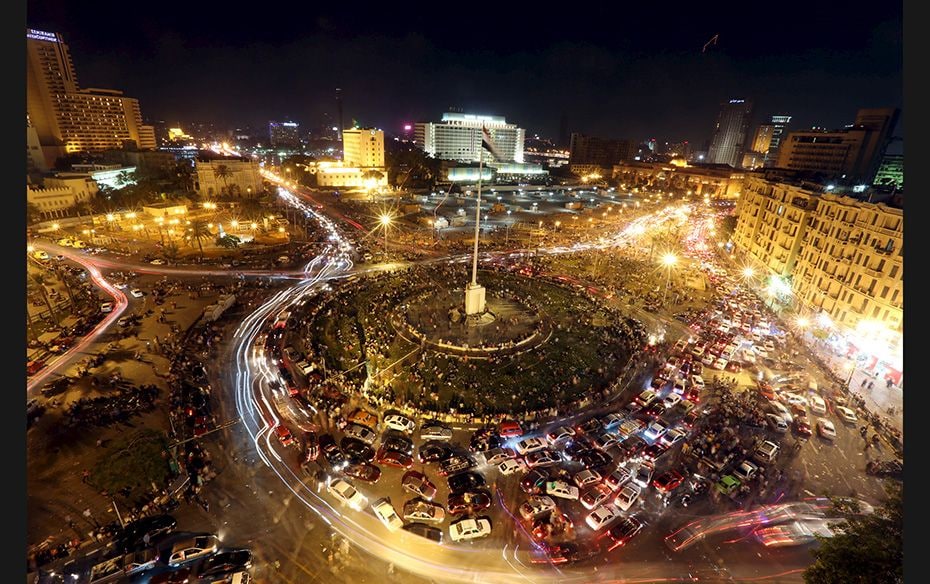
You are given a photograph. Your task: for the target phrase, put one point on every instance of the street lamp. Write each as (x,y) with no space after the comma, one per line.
(668,260)
(385,221)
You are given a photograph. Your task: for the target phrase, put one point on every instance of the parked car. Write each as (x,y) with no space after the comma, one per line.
(192,548)
(366,472)
(668,481)
(469,501)
(619,477)
(346,494)
(595,495)
(420,509)
(429,532)
(466,481)
(363,433)
(562,489)
(600,517)
(400,423)
(846,414)
(435,432)
(416,482)
(511,466)
(385,512)
(826,429)
(469,528)
(624,530)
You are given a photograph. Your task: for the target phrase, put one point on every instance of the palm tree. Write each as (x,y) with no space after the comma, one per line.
(36,283)
(198,232)
(64,280)
(222,171)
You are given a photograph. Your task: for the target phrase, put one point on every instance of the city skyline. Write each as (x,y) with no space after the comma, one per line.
(615,85)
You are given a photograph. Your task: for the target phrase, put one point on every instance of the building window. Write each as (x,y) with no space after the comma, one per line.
(894,271)
(884,293)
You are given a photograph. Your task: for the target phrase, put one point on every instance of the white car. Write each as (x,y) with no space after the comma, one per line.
(560,433)
(627,496)
(595,496)
(512,466)
(643,475)
(673,436)
(619,477)
(193,548)
(777,423)
(818,405)
(435,432)
(106,307)
(678,387)
(386,513)
(363,433)
(468,528)
(612,419)
(157,262)
(708,359)
(536,505)
(697,381)
(720,363)
(399,423)
(745,471)
(779,409)
(794,399)
(749,357)
(586,477)
(543,458)
(846,414)
(655,430)
(528,445)
(496,456)
(600,517)
(562,490)
(136,293)
(826,429)
(671,400)
(346,494)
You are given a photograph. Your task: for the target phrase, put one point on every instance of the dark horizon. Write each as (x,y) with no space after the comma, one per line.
(631,73)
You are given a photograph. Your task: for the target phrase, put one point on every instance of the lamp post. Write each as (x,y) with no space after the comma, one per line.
(668,260)
(385,222)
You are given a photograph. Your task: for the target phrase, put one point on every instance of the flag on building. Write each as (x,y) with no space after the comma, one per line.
(489,145)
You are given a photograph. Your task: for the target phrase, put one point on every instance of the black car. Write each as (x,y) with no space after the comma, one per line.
(396,441)
(424,530)
(655,409)
(356,451)
(576,446)
(456,464)
(434,451)
(365,471)
(588,426)
(57,386)
(143,532)
(632,447)
(533,481)
(331,452)
(226,561)
(466,481)
(564,552)
(594,458)
(625,530)
(485,439)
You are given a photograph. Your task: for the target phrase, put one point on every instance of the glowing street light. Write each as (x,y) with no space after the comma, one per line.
(748,272)
(385,221)
(668,260)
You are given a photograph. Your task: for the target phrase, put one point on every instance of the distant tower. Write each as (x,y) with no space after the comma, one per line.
(726,146)
(339,111)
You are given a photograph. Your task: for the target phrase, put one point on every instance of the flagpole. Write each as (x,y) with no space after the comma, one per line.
(474,261)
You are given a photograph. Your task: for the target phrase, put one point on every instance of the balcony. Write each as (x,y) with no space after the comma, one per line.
(874,273)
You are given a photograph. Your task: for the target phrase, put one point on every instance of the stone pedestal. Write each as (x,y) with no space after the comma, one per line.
(474,299)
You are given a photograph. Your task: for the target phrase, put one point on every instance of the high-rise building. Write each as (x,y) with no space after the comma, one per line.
(599,151)
(458,137)
(891,172)
(284,134)
(726,146)
(853,153)
(68,119)
(763,138)
(363,147)
(779,123)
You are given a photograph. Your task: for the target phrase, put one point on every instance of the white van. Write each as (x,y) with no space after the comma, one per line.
(766,452)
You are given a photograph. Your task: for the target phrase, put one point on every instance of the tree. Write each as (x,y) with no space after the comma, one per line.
(221,171)
(728,225)
(866,549)
(228,241)
(198,232)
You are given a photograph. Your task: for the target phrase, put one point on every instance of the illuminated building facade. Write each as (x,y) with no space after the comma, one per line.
(363,147)
(69,119)
(853,154)
(718,181)
(458,137)
(891,171)
(284,134)
(726,146)
(230,175)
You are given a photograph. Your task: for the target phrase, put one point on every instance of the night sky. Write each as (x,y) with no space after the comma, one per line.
(622,70)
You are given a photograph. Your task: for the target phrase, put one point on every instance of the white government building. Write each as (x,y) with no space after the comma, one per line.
(458,137)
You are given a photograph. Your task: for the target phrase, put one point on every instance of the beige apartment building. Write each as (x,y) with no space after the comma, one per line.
(720,181)
(844,256)
(852,266)
(772,218)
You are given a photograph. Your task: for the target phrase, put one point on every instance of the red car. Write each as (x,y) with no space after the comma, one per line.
(668,481)
(284,435)
(417,483)
(469,502)
(802,427)
(510,429)
(394,458)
